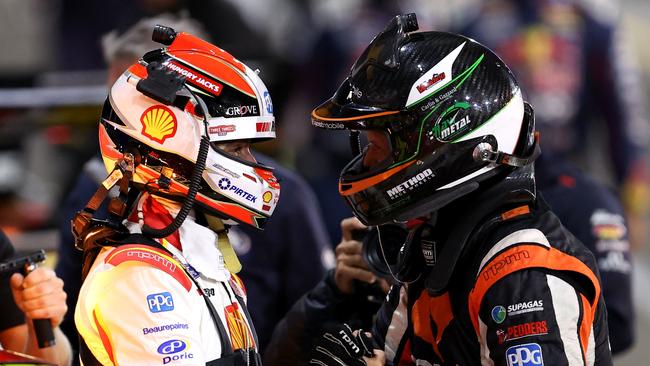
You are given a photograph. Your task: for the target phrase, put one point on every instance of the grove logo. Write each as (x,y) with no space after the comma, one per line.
(158,123)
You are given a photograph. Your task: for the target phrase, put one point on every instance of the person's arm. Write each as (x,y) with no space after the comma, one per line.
(39,295)
(538,316)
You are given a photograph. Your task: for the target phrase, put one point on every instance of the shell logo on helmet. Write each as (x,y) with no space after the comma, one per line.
(267,197)
(158,123)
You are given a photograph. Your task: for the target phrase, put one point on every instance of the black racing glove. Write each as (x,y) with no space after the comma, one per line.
(340,347)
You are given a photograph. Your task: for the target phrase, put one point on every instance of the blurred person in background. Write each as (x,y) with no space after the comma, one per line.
(39,295)
(577,69)
(279,264)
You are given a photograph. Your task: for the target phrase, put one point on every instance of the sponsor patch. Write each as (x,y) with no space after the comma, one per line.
(164,328)
(209,291)
(221,130)
(172,350)
(268,102)
(435,79)
(529,354)
(171,346)
(498,265)
(160,302)
(408,186)
(196,79)
(522,330)
(328,125)
(525,307)
(240,337)
(452,123)
(267,196)
(498,314)
(265,126)
(225,185)
(221,169)
(242,110)
(158,123)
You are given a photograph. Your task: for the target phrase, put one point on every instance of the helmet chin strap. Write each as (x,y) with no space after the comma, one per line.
(230,259)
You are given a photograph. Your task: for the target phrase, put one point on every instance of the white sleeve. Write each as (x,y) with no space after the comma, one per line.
(140,315)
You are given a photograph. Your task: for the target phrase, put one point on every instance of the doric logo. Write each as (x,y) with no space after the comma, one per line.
(158,123)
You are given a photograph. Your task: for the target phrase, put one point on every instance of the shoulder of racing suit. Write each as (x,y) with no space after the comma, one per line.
(539,242)
(151,256)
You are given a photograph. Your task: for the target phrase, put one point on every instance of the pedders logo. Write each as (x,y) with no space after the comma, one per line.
(221,130)
(158,123)
(435,79)
(522,330)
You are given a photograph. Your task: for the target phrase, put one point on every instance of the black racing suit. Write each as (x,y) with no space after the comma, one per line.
(523,291)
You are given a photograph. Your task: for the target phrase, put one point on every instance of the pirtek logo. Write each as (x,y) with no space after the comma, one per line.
(410,184)
(496,267)
(431,82)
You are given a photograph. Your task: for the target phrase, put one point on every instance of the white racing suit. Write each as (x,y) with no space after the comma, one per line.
(143,304)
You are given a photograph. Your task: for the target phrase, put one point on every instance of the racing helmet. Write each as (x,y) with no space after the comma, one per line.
(161,108)
(445,110)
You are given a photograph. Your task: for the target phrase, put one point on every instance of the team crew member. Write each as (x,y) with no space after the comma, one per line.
(487,274)
(160,284)
(39,295)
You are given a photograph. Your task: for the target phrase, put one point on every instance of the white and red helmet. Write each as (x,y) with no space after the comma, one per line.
(165,138)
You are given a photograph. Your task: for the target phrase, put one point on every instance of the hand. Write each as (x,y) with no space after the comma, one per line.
(340,346)
(40,295)
(350,265)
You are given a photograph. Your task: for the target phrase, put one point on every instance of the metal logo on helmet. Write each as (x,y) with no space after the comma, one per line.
(450,124)
(158,123)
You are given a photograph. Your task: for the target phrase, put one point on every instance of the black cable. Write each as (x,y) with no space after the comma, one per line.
(195,182)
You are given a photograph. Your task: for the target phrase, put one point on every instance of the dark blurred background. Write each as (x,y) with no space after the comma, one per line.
(52,86)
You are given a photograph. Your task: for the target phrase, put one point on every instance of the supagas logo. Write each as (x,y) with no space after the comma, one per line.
(499,314)
(158,123)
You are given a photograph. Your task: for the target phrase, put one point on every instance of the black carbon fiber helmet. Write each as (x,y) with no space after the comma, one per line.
(450,111)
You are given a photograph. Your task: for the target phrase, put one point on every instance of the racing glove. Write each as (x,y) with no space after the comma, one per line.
(340,346)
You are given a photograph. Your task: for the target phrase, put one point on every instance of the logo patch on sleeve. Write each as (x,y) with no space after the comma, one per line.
(529,354)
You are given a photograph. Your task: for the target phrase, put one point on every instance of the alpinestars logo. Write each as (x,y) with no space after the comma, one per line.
(410,184)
